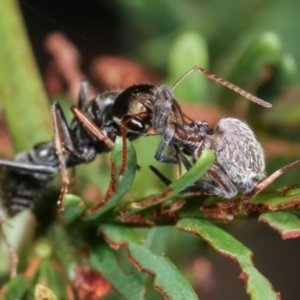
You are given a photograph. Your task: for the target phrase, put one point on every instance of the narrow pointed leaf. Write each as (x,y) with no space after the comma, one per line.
(105,261)
(167,279)
(198,170)
(123,183)
(54,280)
(286,224)
(274,198)
(257,285)
(15,288)
(73,207)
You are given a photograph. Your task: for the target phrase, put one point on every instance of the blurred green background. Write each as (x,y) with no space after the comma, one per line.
(253,44)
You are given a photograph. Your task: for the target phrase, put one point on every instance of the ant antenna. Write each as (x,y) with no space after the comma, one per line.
(225,83)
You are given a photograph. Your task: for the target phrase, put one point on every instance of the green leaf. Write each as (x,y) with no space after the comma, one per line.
(198,170)
(167,279)
(275,198)
(189,50)
(123,182)
(286,224)
(105,261)
(257,285)
(16,288)
(54,279)
(61,243)
(289,69)
(73,207)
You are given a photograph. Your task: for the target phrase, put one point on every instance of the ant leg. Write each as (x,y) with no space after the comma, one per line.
(29,167)
(83,94)
(62,130)
(61,138)
(91,127)
(13,257)
(226,84)
(124,150)
(64,142)
(162,177)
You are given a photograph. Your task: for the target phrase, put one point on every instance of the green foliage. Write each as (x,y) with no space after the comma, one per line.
(257,286)
(95,235)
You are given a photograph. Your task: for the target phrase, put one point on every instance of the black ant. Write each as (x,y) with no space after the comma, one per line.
(92,131)
(138,110)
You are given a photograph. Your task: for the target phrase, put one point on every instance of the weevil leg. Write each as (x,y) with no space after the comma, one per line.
(220,184)
(168,121)
(165,143)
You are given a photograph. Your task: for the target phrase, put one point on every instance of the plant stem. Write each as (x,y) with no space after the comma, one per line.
(22,96)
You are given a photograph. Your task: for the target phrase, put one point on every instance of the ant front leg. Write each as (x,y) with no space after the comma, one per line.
(62,139)
(65,142)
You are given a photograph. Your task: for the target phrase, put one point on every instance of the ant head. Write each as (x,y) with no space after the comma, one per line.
(133,107)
